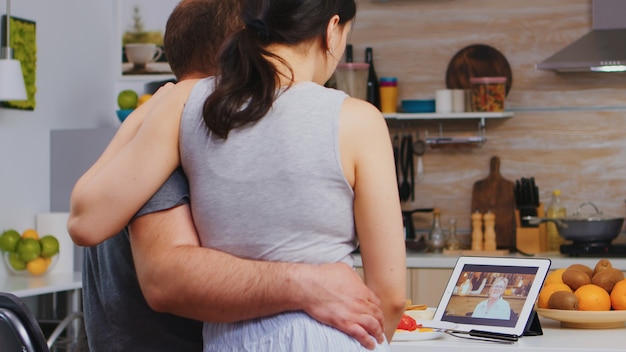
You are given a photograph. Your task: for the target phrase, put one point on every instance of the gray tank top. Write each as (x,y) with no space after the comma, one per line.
(275,189)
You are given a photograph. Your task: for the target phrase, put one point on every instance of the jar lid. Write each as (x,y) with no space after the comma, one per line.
(483,80)
(388,82)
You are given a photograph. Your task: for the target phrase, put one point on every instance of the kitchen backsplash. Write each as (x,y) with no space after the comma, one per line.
(567,130)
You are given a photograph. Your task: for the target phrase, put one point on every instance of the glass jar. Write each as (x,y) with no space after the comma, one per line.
(453,243)
(436,238)
(488,93)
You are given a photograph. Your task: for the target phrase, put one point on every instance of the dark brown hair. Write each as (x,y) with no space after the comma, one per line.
(247,81)
(194,33)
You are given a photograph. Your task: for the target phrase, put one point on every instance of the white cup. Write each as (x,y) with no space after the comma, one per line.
(142,53)
(458,100)
(443,100)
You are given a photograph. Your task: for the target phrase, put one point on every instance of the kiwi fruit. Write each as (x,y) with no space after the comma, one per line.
(603,264)
(607,278)
(582,267)
(563,300)
(619,275)
(575,278)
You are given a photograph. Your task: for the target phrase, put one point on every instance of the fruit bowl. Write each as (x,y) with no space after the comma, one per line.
(7,258)
(123,114)
(585,319)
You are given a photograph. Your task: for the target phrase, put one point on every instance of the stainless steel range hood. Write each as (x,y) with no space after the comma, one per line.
(601,50)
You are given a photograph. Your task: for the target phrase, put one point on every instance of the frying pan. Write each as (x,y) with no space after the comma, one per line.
(591,228)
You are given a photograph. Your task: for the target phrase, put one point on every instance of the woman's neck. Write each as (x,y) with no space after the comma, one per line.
(304,60)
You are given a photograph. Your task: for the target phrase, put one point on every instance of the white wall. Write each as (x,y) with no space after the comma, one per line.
(76,88)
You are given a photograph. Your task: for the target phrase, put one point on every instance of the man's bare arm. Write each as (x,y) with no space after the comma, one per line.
(180,277)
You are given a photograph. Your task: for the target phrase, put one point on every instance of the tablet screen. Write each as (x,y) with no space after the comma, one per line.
(494,294)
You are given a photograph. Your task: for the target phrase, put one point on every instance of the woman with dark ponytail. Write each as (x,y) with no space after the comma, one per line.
(280,167)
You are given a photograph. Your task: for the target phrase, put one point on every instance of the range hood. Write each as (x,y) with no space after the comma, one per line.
(601,50)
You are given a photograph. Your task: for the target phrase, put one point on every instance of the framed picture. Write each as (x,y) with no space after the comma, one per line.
(24,44)
(141,26)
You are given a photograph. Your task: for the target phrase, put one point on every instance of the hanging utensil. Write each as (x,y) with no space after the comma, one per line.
(419,148)
(411,157)
(395,143)
(405,186)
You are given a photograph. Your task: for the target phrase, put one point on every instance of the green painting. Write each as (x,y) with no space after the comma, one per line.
(24,44)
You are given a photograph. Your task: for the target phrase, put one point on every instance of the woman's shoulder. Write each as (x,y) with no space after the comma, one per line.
(362,113)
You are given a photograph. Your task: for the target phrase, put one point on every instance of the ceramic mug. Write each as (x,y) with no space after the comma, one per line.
(142,53)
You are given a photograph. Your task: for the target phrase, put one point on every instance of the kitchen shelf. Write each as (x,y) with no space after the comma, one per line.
(440,141)
(449,116)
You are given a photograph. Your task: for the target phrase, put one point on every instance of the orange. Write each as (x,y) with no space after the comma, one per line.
(144,98)
(37,266)
(618,295)
(555,276)
(30,233)
(593,297)
(548,290)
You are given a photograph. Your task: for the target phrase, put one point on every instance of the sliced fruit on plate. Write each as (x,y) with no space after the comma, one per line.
(407,323)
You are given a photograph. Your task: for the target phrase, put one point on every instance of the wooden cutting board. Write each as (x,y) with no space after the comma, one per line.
(497,194)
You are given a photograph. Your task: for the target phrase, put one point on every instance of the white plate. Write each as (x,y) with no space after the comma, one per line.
(427,335)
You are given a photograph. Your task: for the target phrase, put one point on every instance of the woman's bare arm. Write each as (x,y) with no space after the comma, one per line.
(368,162)
(130,171)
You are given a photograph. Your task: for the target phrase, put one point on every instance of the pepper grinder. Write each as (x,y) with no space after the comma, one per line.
(490,233)
(477,231)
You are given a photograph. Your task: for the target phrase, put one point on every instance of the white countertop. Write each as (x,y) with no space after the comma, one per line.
(443,261)
(554,339)
(34,286)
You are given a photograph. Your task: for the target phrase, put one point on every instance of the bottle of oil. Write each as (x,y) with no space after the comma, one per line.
(555,210)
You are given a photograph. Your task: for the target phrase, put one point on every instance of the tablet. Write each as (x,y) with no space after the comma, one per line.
(494,294)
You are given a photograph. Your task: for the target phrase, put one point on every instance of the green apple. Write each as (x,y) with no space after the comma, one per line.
(28,249)
(49,246)
(9,240)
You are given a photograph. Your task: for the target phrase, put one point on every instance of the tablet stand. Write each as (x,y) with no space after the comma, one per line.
(533,326)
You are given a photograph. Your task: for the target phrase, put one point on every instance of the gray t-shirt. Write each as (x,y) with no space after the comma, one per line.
(117,317)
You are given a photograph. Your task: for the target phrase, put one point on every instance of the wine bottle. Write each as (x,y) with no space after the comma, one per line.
(373,88)
(349,56)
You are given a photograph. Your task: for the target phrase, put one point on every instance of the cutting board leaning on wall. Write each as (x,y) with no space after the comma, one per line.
(497,194)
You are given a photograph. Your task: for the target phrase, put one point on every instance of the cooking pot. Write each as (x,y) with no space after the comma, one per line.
(585,228)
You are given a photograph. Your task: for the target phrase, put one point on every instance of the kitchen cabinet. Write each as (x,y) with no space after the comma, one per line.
(424,286)
(441,139)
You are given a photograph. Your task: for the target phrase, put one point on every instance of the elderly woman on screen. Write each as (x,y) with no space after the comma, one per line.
(494,307)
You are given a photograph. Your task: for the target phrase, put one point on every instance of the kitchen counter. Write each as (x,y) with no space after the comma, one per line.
(428,273)
(444,261)
(554,339)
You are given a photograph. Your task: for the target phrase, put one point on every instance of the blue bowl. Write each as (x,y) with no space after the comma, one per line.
(427,105)
(123,114)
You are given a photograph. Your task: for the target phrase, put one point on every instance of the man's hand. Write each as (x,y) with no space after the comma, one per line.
(335,295)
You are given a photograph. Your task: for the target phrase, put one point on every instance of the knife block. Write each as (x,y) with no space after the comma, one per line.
(531,240)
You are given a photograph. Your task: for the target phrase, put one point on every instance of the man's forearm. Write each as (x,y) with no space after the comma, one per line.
(180,277)
(209,285)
